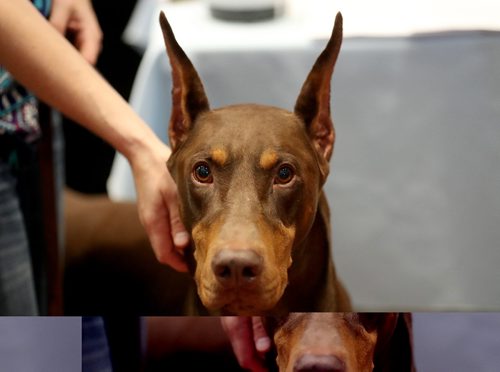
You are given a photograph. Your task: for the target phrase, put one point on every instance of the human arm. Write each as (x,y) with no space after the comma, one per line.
(47,64)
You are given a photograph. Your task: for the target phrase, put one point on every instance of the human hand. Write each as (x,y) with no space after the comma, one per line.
(249,341)
(158,206)
(77,19)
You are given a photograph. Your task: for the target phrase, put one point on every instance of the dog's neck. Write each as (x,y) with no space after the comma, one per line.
(311,284)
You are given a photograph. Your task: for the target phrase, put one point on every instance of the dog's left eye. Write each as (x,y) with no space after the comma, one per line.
(285,175)
(202,173)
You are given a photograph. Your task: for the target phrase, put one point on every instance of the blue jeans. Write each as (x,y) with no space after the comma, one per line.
(95,350)
(17,290)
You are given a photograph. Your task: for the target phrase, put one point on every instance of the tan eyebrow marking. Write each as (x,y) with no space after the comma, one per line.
(219,156)
(268,159)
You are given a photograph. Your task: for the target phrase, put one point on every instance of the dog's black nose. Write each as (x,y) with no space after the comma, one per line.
(319,363)
(236,266)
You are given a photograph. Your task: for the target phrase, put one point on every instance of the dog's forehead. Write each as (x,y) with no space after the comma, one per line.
(257,127)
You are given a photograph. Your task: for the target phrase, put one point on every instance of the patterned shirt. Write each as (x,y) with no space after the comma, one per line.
(18,107)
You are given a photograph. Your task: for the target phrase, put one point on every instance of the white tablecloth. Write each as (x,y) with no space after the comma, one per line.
(415,177)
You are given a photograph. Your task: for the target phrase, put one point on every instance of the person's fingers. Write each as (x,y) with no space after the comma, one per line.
(158,230)
(179,234)
(59,17)
(240,333)
(260,336)
(158,206)
(78,21)
(87,32)
(89,44)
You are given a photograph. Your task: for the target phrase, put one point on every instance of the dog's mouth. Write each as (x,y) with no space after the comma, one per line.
(255,300)
(240,307)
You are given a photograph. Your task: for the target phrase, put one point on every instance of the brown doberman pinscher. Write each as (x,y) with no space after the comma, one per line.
(343,342)
(250,182)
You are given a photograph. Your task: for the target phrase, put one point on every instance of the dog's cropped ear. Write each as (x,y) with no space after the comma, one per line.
(313,104)
(188,95)
(396,351)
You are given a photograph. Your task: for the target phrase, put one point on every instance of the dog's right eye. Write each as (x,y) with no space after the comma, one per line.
(285,175)
(202,173)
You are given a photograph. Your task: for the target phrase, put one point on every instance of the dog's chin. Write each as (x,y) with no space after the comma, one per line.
(244,308)
(236,302)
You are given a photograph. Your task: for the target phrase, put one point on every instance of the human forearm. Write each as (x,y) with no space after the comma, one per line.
(47,64)
(42,60)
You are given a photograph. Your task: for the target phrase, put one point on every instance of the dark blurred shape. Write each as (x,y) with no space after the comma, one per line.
(195,361)
(88,158)
(124,336)
(245,10)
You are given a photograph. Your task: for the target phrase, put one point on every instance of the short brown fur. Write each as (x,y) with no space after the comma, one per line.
(344,342)
(260,222)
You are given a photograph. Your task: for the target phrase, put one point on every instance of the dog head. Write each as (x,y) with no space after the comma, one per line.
(343,342)
(249,178)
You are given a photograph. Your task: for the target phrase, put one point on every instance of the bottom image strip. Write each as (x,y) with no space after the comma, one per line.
(330,342)
(299,342)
